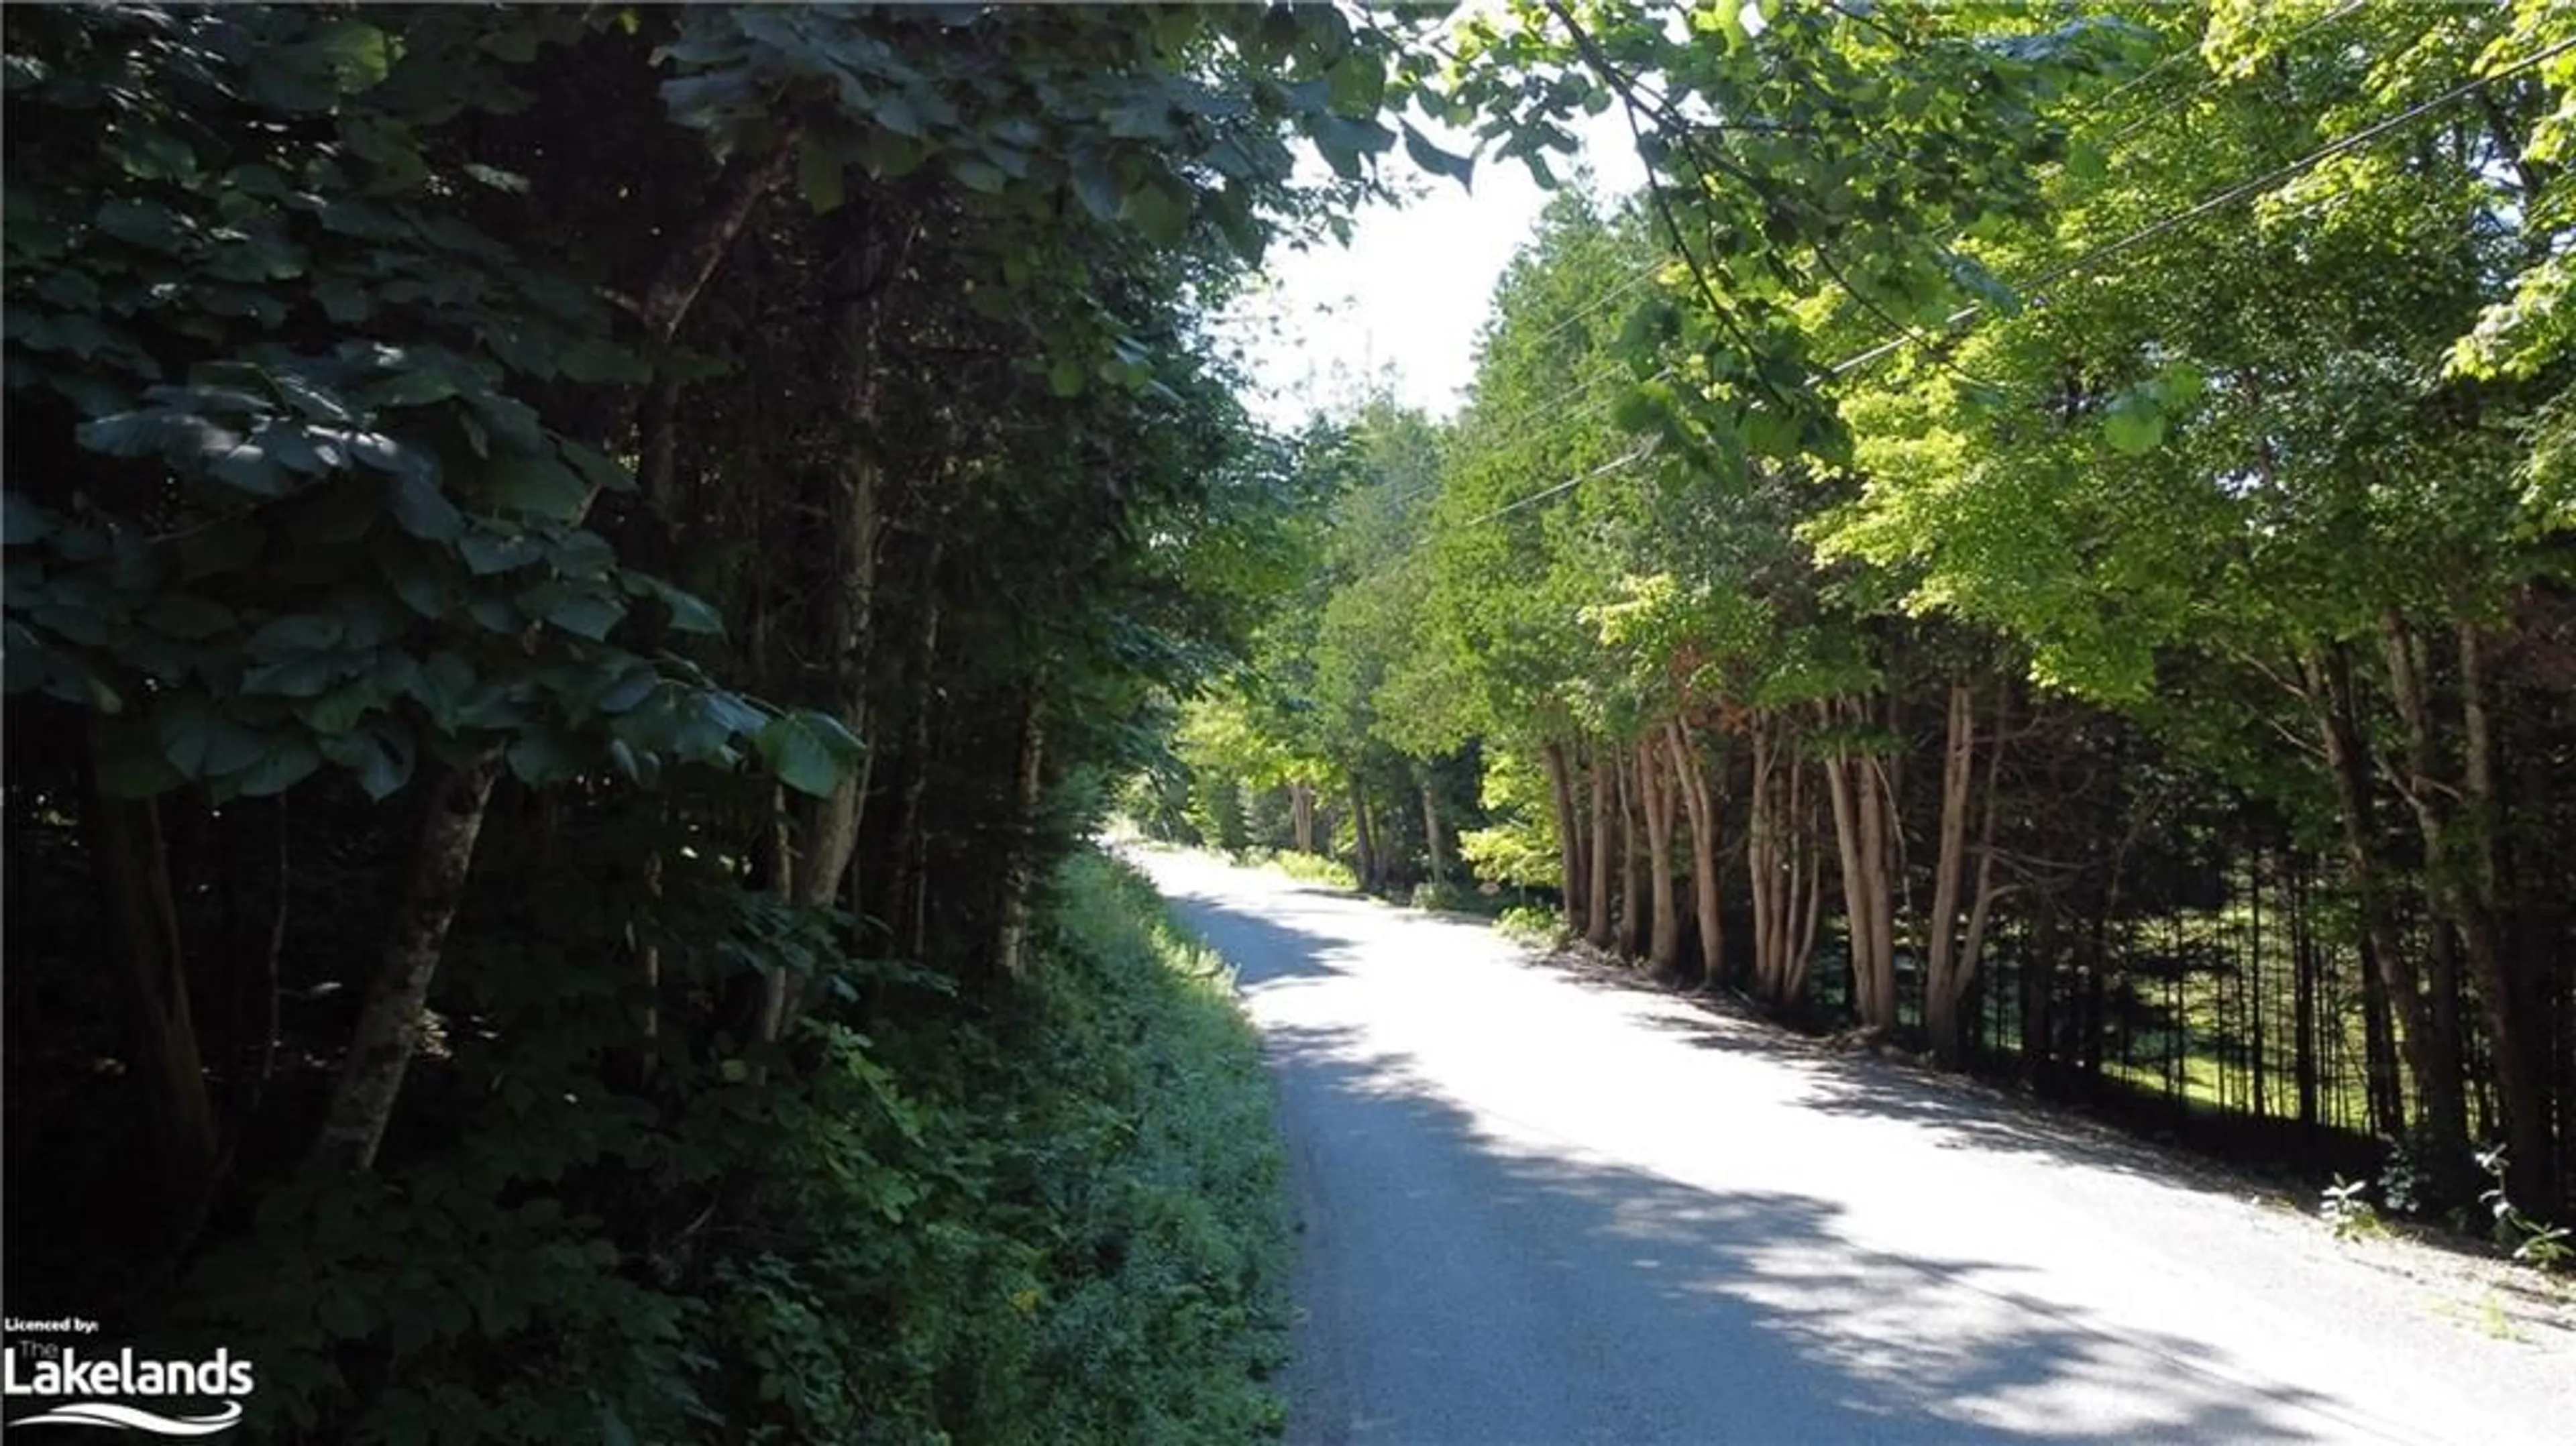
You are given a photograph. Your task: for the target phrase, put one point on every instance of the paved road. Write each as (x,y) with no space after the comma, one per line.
(1541,1207)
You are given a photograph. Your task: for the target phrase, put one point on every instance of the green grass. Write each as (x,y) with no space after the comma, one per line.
(1312,869)
(1169,1312)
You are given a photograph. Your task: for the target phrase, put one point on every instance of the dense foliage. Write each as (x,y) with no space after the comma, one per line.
(2043,531)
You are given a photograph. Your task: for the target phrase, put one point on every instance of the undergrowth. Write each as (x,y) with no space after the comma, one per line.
(1054,1216)
(1313,869)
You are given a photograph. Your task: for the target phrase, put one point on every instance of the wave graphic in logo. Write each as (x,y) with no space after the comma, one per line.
(129,1418)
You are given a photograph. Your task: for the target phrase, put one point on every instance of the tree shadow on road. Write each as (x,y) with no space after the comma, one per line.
(1463,1287)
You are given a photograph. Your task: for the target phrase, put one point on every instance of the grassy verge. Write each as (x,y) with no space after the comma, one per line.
(1167,1173)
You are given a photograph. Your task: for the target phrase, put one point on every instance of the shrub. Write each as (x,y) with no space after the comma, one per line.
(1057,1218)
(1531,924)
(1315,869)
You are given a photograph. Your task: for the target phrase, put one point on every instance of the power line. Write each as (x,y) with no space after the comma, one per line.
(1518,425)
(2143,234)
(2135,238)
(2222,199)
(1569,484)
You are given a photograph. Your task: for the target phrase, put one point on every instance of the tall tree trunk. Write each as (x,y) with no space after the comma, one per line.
(1632,865)
(1596,907)
(1764,870)
(1027,792)
(1431,833)
(2514,997)
(2432,1061)
(1699,802)
(2456,904)
(1363,838)
(1860,836)
(1301,813)
(152,993)
(362,1097)
(1857,900)
(1942,986)
(1569,840)
(908,854)
(1664,937)
(389,1021)
(1950,972)
(1877,801)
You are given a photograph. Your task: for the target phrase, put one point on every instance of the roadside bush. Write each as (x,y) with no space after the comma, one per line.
(1315,869)
(1530,924)
(1057,1219)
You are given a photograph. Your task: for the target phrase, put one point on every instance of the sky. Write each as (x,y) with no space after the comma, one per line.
(1405,299)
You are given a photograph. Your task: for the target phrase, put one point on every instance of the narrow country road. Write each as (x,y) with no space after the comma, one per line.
(1540,1206)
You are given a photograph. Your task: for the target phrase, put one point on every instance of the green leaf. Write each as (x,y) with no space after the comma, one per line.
(1357,84)
(423,511)
(977,174)
(293,635)
(538,486)
(808,751)
(487,553)
(382,759)
(286,765)
(587,614)
(202,744)
(2133,425)
(543,757)
(1064,377)
(305,677)
(1438,162)
(1096,187)
(1160,210)
(689,612)
(818,174)
(596,468)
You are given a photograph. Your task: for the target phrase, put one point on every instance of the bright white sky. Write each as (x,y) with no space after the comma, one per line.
(1404,301)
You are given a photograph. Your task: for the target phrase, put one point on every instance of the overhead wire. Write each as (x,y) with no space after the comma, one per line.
(2217,201)
(1524,421)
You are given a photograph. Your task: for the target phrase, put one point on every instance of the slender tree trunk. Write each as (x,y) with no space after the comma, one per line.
(380,1050)
(152,992)
(1597,904)
(1632,865)
(1431,834)
(2446,1112)
(1664,941)
(1942,986)
(907,895)
(1363,838)
(1764,871)
(362,1097)
(1699,802)
(1860,835)
(2515,998)
(1027,792)
(1876,836)
(1569,842)
(1857,901)
(1301,813)
(2432,1062)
